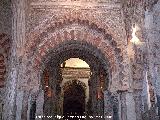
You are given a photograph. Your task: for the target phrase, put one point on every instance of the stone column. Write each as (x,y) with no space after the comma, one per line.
(18,37)
(9,112)
(19,101)
(18,22)
(108,112)
(24,105)
(156,79)
(130,104)
(127,105)
(122,105)
(39,104)
(151,33)
(145,93)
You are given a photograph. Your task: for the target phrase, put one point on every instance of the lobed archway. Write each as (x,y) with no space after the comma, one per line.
(90,43)
(39,46)
(98,64)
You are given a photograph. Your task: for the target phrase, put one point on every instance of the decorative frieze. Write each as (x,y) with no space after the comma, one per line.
(71,73)
(76,4)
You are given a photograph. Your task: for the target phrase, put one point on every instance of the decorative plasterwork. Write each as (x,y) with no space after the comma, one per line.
(76,4)
(71,73)
(40,43)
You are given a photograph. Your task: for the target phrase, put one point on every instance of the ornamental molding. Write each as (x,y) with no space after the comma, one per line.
(71,73)
(77,4)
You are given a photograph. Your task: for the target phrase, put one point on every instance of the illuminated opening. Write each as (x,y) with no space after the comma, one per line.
(75,63)
(134,39)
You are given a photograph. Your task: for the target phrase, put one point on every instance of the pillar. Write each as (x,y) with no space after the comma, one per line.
(150,26)
(25,105)
(122,105)
(127,106)
(18,38)
(9,111)
(108,112)
(39,105)
(156,79)
(130,104)
(19,100)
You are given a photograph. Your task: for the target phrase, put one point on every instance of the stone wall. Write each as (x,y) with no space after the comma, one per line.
(5,33)
(4,56)
(6,16)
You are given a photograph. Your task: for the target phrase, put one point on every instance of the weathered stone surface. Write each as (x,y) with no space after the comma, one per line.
(5,19)
(47,32)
